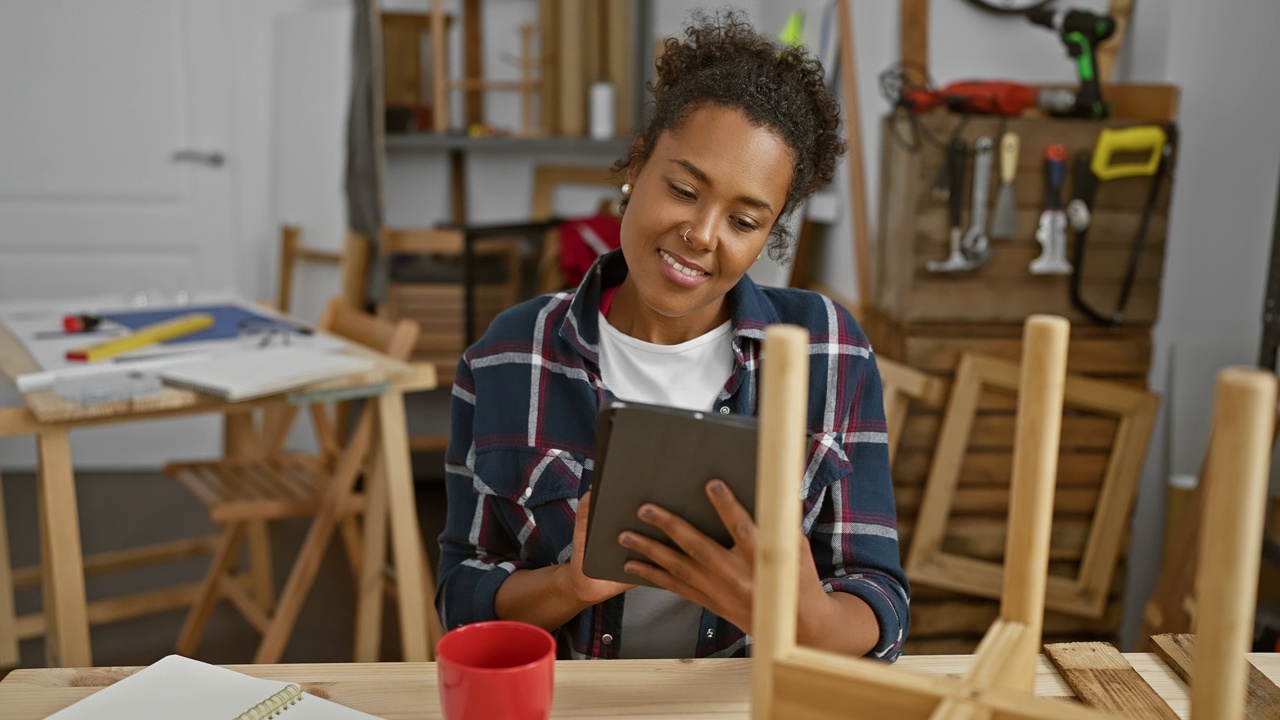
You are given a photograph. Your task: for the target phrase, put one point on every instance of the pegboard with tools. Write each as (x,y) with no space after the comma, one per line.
(939,259)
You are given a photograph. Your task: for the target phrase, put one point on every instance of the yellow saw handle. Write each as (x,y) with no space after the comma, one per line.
(1140,138)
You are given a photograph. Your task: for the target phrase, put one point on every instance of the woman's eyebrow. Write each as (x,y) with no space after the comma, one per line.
(697,172)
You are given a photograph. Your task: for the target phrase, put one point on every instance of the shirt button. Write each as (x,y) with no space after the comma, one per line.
(724,410)
(528,491)
(710,633)
(607,639)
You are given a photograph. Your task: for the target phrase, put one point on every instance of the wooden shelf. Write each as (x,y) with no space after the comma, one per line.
(439,142)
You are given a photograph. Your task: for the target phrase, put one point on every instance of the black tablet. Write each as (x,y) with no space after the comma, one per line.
(663,455)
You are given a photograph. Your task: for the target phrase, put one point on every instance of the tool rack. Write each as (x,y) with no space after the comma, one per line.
(929,321)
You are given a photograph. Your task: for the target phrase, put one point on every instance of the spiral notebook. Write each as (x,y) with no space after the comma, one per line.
(179,687)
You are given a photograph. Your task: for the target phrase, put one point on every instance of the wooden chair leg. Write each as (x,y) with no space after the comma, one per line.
(224,558)
(1238,469)
(309,557)
(369,583)
(8,614)
(1035,469)
(260,565)
(350,530)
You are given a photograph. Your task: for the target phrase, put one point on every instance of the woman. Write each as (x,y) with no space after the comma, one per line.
(742,131)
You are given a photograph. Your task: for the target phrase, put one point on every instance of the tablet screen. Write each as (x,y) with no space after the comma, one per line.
(664,455)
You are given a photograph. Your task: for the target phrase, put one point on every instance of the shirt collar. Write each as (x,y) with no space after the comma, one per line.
(751,309)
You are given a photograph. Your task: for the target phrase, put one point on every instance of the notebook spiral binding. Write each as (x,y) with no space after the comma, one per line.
(274,705)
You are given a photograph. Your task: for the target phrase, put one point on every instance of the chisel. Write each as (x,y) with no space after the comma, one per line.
(1003,226)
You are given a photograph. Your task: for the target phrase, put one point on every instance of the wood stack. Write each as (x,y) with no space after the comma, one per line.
(581,43)
(930,321)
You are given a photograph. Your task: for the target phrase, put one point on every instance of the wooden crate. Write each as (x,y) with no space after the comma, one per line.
(914,229)
(944,621)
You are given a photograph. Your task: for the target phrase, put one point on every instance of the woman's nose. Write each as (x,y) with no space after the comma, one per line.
(700,234)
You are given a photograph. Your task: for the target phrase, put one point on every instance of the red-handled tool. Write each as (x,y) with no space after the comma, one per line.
(1051,231)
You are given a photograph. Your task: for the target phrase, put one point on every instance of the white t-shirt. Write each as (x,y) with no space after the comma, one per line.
(657,623)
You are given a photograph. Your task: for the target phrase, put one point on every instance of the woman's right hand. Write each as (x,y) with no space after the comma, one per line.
(585,590)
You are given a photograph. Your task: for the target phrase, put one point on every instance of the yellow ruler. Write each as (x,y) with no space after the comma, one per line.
(143,336)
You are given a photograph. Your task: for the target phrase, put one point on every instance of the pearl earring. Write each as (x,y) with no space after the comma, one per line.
(626,189)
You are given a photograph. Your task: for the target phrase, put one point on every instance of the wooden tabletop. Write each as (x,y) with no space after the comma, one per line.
(632,689)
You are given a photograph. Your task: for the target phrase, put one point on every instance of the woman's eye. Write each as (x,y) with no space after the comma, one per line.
(745,225)
(681,191)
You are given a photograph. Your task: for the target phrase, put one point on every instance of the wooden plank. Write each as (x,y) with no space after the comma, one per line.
(914,34)
(1120,11)
(992,431)
(472,60)
(984,537)
(1262,696)
(618,59)
(572,70)
(548,67)
(853,159)
(64,600)
(985,469)
(439,69)
(970,299)
(1125,355)
(974,616)
(1100,676)
(9,655)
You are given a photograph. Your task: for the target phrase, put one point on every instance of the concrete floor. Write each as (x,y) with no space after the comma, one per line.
(119,511)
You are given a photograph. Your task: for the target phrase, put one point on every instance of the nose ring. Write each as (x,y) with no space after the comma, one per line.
(686,236)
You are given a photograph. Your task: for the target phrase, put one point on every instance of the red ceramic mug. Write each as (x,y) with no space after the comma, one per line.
(497,670)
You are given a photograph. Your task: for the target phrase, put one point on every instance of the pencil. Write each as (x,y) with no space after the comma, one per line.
(143,336)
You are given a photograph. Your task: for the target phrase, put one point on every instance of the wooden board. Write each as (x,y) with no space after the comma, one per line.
(1262,697)
(1100,676)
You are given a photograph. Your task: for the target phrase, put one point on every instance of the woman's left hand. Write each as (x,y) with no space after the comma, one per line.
(700,569)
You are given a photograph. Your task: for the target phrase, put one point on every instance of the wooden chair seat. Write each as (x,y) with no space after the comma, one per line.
(267,489)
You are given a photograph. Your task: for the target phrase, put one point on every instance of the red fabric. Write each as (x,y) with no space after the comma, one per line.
(606,299)
(584,239)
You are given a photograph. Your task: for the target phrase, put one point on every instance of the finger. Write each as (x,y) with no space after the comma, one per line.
(692,541)
(734,516)
(580,522)
(665,580)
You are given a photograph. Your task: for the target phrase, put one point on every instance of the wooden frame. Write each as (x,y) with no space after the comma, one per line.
(790,681)
(1087,593)
(901,384)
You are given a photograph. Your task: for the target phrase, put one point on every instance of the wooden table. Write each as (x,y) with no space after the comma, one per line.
(51,418)
(633,689)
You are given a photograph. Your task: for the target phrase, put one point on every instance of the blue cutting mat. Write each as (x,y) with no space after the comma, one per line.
(226,320)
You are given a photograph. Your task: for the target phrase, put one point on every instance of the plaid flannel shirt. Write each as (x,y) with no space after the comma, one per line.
(525,404)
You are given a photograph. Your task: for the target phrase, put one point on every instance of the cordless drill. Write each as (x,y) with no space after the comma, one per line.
(1081,30)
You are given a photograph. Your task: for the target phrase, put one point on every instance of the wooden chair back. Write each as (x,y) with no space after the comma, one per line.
(438,307)
(790,681)
(353,262)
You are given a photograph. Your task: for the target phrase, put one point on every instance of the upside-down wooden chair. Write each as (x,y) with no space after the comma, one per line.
(274,484)
(789,681)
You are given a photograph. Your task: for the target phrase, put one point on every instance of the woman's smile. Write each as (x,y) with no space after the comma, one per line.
(682,271)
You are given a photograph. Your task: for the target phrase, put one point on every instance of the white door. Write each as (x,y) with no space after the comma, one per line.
(116,176)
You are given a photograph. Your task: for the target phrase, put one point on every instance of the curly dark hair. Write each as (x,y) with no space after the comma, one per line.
(723,61)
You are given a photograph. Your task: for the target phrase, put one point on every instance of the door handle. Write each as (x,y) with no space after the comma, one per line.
(212,159)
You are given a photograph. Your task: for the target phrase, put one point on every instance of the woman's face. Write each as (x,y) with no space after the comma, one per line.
(724,181)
